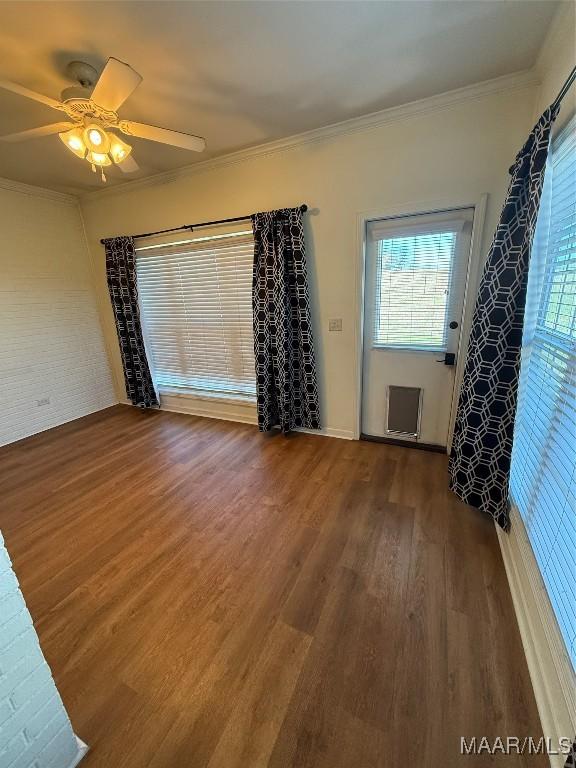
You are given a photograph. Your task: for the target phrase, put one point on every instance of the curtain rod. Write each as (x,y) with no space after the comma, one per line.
(192,227)
(565,88)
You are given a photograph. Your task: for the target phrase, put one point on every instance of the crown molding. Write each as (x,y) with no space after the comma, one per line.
(28,189)
(372,121)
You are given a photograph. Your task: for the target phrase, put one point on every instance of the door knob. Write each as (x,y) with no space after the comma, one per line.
(453,325)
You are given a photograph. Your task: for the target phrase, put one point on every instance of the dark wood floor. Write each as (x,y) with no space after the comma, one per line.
(209,596)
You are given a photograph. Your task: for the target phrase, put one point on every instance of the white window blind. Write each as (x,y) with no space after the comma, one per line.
(196,302)
(543,478)
(419,279)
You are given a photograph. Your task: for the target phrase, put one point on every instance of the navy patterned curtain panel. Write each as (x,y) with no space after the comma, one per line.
(482,446)
(571,759)
(121,276)
(286,388)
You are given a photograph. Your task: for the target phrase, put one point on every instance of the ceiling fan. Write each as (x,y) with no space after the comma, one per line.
(93,121)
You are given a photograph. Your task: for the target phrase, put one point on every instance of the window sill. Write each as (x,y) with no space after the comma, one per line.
(428,350)
(219,397)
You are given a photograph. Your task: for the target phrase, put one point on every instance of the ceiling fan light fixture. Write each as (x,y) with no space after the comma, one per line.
(119,150)
(96,139)
(90,132)
(74,141)
(98,158)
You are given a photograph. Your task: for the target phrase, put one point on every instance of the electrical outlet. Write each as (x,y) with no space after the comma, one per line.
(335,324)
(43,401)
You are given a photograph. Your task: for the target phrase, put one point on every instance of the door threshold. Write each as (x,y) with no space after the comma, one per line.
(404,443)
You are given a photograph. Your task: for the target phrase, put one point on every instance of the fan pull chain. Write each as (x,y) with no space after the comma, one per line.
(103,175)
(93,168)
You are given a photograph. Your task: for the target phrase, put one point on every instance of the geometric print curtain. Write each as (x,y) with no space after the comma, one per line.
(286,387)
(121,276)
(481,452)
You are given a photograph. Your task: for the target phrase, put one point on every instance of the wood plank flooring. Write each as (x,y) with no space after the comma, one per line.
(210,596)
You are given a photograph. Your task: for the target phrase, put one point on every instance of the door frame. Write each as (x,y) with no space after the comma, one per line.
(471,286)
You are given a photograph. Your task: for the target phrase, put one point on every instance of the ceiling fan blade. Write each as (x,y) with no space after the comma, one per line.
(21,91)
(129,165)
(36,133)
(115,84)
(163,135)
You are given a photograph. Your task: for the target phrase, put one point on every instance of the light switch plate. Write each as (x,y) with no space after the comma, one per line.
(335,324)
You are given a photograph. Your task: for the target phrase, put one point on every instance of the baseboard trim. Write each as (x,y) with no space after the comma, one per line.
(551,672)
(242,413)
(82,750)
(190,407)
(66,420)
(341,434)
(219,415)
(403,443)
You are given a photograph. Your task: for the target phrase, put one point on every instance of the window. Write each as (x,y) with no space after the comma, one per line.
(419,280)
(196,301)
(543,478)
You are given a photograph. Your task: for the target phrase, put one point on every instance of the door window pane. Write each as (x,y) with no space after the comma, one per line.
(413,281)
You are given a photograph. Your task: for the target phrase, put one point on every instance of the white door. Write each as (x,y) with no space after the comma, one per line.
(415,278)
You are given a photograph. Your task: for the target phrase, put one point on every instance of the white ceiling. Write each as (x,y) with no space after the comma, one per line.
(242,73)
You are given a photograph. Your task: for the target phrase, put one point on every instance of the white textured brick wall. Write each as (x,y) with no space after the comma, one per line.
(53,362)
(35,731)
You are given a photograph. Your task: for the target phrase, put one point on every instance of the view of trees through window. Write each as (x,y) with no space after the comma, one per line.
(412,290)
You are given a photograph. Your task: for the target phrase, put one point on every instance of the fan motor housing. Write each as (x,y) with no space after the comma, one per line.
(83,73)
(79,109)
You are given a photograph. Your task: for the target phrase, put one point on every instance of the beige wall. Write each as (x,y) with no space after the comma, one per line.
(452,154)
(555,62)
(53,363)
